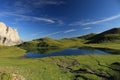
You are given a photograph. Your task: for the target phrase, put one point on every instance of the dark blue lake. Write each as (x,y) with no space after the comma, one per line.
(66,52)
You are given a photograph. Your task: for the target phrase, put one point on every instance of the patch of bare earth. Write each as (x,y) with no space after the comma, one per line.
(17,77)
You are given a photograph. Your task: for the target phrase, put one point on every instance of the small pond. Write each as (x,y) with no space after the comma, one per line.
(64,52)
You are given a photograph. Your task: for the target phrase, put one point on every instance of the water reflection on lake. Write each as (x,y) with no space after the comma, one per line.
(63,52)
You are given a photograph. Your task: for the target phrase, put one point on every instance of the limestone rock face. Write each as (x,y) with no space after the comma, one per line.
(8,36)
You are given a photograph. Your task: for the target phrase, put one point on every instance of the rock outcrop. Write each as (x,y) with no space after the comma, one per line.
(8,36)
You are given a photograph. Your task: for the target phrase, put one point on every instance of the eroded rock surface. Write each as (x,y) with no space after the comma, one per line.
(8,36)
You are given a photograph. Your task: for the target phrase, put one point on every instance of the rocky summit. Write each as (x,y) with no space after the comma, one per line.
(8,36)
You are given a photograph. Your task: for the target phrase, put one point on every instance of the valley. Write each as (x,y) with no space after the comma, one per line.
(80,67)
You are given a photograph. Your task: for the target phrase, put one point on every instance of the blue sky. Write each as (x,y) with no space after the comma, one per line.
(59,18)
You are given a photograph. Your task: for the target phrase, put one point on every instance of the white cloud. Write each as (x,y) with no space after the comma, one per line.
(53,33)
(60,22)
(87,28)
(58,32)
(36,34)
(96,22)
(70,30)
(44,19)
(28,6)
(28,18)
(21,17)
(47,2)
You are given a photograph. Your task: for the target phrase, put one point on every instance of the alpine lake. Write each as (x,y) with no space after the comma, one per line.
(47,52)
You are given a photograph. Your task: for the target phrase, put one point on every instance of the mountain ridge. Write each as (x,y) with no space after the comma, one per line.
(106,36)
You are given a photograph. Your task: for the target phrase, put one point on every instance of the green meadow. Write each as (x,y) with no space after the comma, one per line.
(84,67)
(15,66)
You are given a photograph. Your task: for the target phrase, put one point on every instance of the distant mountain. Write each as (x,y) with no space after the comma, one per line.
(8,36)
(112,35)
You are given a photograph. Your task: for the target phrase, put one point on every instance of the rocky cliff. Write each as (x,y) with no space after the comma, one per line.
(8,36)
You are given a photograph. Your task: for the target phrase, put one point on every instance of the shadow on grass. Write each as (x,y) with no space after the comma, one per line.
(116,68)
(110,51)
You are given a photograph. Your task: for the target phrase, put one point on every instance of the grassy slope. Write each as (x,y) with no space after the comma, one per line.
(111,47)
(10,52)
(112,35)
(90,67)
(51,43)
(109,37)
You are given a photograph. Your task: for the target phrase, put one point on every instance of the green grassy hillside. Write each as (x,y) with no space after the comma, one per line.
(51,43)
(88,36)
(40,43)
(112,35)
(86,67)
